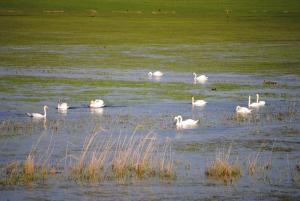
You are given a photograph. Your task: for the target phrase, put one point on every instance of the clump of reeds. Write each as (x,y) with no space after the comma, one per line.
(252,164)
(143,156)
(221,168)
(122,158)
(135,156)
(78,169)
(28,166)
(166,164)
(11,174)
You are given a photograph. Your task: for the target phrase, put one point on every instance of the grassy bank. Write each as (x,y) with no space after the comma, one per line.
(242,36)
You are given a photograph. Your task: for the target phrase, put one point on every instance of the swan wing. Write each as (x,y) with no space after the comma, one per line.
(243,110)
(189,122)
(262,103)
(200,103)
(97,103)
(62,106)
(254,105)
(157,73)
(35,115)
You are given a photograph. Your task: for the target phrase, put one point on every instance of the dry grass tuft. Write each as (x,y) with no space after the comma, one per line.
(122,158)
(222,169)
(28,166)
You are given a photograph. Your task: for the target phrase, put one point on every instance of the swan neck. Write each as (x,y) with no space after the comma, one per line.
(249,100)
(257,98)
(193,100)
(180,119)
(45,112)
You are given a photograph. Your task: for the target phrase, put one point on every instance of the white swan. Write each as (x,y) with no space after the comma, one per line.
(200,78)
(96,103)
(62,106)
(200,103)
(252,105)
(261,103)
(155,74)
(189,123)
(38,115)
(242,110)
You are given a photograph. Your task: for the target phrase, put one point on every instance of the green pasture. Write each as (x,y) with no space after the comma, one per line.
(195,35)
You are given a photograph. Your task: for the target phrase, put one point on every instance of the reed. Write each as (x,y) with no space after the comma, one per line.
(166,163)
(28,166)
(221,168)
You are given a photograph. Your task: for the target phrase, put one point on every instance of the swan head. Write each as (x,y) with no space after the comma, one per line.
(195,74)
(45,107)
(150,74)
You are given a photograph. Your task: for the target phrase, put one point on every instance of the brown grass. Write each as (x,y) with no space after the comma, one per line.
(28,166)
(122,158)
(166,164)
(222,169)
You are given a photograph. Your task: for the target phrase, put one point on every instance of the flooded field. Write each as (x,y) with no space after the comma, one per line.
(143,155)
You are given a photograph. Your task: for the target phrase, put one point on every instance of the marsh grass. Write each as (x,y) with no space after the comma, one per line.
(222,169)
(122,158)
(23,172)
(34,167)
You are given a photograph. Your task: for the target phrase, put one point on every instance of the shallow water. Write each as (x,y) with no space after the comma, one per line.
(273,131)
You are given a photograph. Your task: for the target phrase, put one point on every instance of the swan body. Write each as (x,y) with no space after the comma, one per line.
(200,78)
(155,74)
(38,115)
(96,103)
(242,110)
(189,123)
(253,105)
(261,103)
(62,106)
(199,103)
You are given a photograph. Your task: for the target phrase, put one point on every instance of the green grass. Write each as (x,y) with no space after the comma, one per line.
(230,86)
(172,90)
(257,36)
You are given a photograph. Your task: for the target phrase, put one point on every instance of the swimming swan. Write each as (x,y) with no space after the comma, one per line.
(200,103)
(189,123)
(155,74)
(62,106)
(200,78)
(242,110)
(252,105)
(261,103)
(96,103)
(38,115)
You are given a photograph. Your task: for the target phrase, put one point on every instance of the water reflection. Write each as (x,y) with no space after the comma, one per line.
(97,111)
(62,111)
